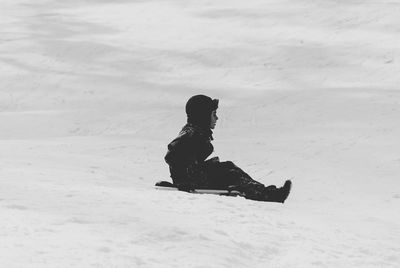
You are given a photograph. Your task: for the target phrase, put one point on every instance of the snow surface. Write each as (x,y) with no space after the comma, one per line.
(92,91)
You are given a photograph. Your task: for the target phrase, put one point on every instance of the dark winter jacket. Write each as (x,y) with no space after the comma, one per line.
(187,154)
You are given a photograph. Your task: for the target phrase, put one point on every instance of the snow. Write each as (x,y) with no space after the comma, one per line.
(92,91)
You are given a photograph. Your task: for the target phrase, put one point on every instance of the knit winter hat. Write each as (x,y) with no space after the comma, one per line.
(199,108)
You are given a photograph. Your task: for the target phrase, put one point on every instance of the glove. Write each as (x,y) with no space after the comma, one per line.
(214,159)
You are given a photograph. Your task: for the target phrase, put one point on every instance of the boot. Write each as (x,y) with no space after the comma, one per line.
(273,194)
(284,191)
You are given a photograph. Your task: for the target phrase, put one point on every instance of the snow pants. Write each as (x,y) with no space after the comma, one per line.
(221,175)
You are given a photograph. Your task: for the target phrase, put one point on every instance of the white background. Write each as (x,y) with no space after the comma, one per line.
(91,92)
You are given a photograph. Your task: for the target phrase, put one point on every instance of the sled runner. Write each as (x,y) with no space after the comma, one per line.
(165,185)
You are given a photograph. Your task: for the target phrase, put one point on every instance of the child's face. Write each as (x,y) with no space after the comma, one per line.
(214,119)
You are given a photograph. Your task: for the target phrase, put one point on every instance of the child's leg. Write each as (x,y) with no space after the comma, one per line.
(222,175)
(253,189)
(225,174)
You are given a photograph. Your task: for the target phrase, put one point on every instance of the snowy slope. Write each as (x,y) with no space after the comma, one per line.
(92,91)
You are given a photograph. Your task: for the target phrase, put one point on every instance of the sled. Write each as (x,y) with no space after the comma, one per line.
(165,185)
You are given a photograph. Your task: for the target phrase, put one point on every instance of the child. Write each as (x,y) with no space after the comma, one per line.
(188,152)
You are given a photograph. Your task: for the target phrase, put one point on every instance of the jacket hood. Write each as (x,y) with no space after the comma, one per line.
(198,110)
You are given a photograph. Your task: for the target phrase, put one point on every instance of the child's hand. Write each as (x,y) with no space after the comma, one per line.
(214,159)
